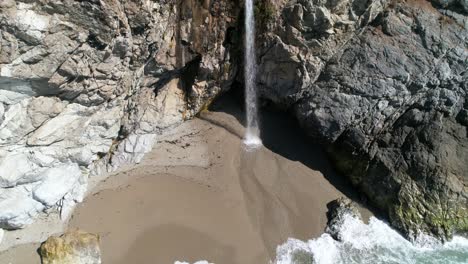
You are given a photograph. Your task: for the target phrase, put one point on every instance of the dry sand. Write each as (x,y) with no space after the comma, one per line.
(199,195)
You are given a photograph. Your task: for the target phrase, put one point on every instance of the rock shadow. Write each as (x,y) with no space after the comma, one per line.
(281,133)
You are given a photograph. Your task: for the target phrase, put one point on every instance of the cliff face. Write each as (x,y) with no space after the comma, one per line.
(86,86)
(383,84)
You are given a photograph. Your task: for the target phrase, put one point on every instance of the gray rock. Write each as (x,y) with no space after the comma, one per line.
(17,207)
(131,150)
(338,210)
(384,86)
(57,182)
(458,5)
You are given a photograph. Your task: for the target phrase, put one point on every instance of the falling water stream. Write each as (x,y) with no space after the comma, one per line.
(252,134)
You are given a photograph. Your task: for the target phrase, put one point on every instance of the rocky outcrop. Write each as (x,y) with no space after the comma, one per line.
(86,86)
(343,226)
(338,210)
(76,247)
(383,84)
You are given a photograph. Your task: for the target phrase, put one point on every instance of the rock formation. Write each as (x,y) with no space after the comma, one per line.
(383,84)
(76,247)
(343,218)
(86,86)
(337,211)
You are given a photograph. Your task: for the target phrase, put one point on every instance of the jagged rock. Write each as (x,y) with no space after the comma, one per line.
(459,5)
(159,111)
(131,150)
(337,211)
(86,86)
(17,207)
(304,37)
(384,85)
(57,183)
(76,247)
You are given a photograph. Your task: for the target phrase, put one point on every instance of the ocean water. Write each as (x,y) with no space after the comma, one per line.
(373,243)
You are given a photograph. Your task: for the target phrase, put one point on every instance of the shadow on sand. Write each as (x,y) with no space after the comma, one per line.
(281,133)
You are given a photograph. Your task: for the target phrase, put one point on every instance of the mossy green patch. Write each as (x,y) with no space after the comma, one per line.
(423,215)
(265,12)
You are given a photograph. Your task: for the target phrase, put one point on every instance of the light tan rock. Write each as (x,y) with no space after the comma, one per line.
(75,247)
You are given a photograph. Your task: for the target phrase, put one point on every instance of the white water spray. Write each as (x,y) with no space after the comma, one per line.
(252,135)
(373,243)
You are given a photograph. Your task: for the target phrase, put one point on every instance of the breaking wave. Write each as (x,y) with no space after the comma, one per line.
(373,243)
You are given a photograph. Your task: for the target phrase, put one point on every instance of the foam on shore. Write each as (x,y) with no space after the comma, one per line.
(373,243)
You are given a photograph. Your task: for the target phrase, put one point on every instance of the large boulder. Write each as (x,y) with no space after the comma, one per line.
(75,247)
(383,84)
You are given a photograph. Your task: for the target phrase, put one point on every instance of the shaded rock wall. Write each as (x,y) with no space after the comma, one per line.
(383,84)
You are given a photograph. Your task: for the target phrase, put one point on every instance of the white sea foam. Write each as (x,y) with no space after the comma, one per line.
(374,243)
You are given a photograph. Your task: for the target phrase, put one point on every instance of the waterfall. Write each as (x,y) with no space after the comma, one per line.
(252,134)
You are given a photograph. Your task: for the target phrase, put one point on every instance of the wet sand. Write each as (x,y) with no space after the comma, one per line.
(199,195)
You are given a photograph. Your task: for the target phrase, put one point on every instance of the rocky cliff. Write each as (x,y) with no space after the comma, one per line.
(383,84)
(86,86)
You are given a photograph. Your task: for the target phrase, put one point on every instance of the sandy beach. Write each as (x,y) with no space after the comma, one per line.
(200,195)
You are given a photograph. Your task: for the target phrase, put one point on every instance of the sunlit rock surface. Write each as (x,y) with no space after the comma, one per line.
(87,86)
(76,247)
